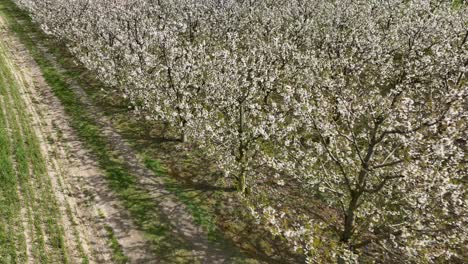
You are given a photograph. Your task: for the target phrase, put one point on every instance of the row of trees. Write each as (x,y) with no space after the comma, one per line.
(360,101)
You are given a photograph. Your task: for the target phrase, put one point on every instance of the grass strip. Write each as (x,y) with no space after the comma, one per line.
(9,200)
(31,167)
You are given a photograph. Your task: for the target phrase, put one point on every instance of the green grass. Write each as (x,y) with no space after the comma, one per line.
(119,256)
(25,173)
(9,200)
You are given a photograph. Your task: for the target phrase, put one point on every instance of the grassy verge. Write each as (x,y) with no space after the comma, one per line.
(29,179)
(9,200)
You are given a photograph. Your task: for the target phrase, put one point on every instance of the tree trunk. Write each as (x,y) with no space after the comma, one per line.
(183,135)
(241,181)
(349,218)
(349,223)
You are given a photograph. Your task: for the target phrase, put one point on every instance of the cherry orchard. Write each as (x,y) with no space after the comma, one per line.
(361,104)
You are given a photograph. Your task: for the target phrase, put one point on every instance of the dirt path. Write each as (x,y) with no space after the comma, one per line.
(86,204)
